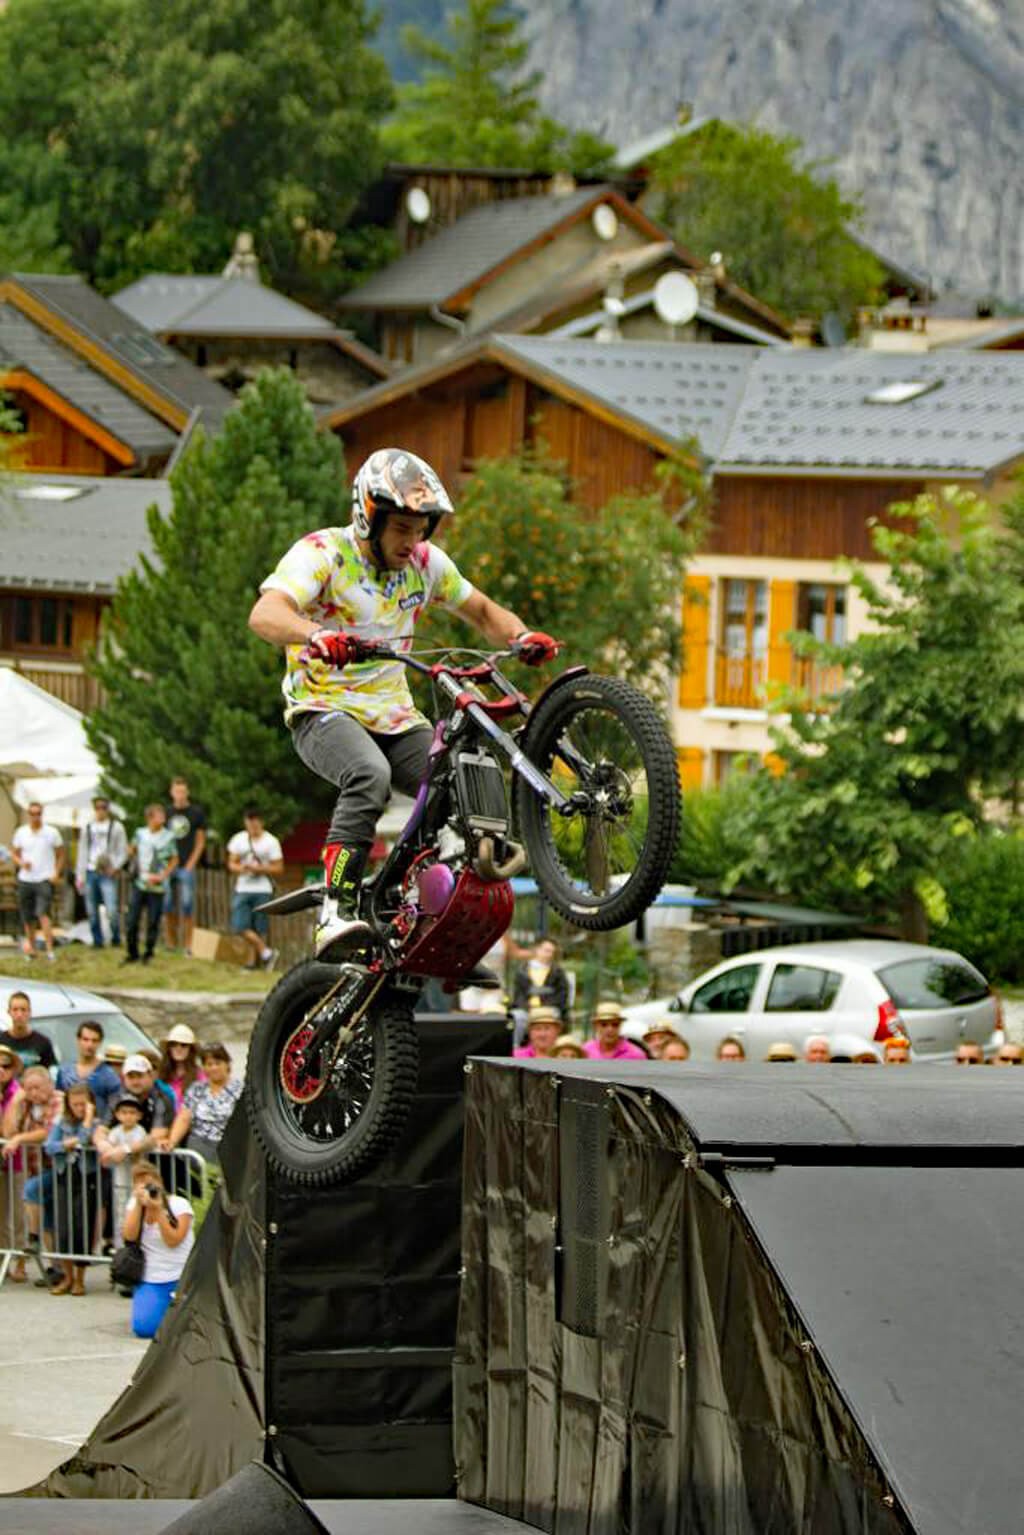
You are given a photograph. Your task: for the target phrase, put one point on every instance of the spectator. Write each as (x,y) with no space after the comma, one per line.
(33,1115)
(11,1180)
(208,1106)
(255,856)
(32,1047)
(155,849)
(163,1224)
(969,1053)
(102,851)
(89,1068)
(139,1081)
(608,1045)
(179,1062)
(865,1058)
(1009,1055)
(658,1036)
(731,1049)
(75,1194)
(540,982)
(896,1050)
(569,1048)
(187,823)
(817,1050)
(124,1143)
(38,853)
(781,1050)
(542,1031)
(675,1049)
(115,1057)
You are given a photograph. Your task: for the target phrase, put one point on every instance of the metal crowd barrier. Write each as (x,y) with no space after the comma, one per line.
(84,1201)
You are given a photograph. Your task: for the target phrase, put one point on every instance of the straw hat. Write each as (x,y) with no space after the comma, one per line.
(662,1027)
(543,1015)
(114,1055)
(181,1034)
(569,1042)
(781,1050)
(604,1012)
(7,1054)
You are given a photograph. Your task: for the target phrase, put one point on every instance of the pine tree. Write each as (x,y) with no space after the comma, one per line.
(477,104)
(189,689)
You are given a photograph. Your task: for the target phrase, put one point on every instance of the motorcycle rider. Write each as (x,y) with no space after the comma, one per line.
(353,722)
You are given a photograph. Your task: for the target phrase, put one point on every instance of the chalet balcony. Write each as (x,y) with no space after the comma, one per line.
(816,681)
(67,682)
(740,681)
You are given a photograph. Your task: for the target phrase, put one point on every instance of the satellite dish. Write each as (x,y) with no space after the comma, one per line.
(675,298)
(605,221)
(417,205)
(833,330)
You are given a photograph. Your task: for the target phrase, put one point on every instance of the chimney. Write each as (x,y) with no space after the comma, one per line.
(803,330)
(707,287)
(562,184)
(244,261)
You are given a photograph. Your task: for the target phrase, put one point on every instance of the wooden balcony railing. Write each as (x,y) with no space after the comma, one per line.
(70,686)
(739,681)
(817,681)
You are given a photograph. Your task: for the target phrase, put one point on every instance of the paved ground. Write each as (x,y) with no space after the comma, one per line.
(63,1361)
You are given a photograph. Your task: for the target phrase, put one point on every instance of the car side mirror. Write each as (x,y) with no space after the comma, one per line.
(677,1005)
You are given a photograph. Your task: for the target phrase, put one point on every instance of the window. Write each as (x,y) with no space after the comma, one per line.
(901,390)
(802,989)
(931,983)
(42,623)
(743,643)
(729,992)
(822,612)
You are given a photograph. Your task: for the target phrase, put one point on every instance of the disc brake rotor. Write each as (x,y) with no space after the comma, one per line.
(302,1083)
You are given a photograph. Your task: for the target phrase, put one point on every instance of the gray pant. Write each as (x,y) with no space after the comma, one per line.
(363,765)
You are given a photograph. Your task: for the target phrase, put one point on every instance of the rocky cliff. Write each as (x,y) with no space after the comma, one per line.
(919,103)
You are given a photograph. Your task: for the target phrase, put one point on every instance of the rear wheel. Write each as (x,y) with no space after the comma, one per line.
(605,746)
(330,1116)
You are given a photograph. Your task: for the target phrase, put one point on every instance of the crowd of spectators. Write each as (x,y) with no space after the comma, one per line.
(156,864)
(87,1153)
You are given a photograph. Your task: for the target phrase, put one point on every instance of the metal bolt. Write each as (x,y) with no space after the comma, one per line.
(648,1099)
(468,1068)
(889,1500)
(727,1202)
(271,1430)
(807,1345)
(462,1273)
(554,1223)
(273,1228)
(609,1092)
(555,1081)
(681,1362)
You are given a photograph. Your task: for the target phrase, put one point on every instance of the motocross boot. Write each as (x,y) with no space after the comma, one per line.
(338,925)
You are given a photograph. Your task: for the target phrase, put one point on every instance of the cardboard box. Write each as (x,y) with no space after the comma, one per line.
(226,948)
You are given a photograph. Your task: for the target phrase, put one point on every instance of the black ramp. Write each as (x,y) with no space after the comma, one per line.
(910,1282)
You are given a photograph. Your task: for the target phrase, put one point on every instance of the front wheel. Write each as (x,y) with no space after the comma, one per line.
(330,1118)
(605,746)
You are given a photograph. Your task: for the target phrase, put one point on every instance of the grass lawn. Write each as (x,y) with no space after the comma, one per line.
(79,965)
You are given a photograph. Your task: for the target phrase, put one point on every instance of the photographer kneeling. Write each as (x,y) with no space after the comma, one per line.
(162,1223)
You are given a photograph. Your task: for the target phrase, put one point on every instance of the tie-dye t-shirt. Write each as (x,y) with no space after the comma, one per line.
(327,576)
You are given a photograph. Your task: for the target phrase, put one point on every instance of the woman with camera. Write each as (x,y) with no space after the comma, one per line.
(162,1223)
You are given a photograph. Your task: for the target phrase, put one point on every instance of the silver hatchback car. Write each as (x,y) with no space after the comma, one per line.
(858,992)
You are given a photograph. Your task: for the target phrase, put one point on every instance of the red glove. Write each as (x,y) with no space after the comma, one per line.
(336,648)
(535,647)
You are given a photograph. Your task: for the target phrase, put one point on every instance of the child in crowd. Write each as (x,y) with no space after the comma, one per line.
(72,1216)
(126,1142)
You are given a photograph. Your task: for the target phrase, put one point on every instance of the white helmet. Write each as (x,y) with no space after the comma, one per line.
(392,480)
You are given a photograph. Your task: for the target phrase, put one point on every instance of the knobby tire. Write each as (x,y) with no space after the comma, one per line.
(638,716)
(395,1068)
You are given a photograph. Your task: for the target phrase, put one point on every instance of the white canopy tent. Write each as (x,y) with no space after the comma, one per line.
(43,755)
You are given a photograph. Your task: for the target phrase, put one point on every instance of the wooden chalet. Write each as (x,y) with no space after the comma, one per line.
(806,449)
(95,393)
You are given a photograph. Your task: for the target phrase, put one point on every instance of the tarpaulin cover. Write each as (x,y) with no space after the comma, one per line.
(362,1297)
(628,1361)
(193,1414)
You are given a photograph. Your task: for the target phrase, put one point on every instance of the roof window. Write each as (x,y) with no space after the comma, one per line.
(50,492)
(901,390)
(143,348)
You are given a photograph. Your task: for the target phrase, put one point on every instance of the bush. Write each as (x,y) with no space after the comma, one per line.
(984,890)
(709,849)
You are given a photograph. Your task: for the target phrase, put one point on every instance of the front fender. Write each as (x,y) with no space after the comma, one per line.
(570,675)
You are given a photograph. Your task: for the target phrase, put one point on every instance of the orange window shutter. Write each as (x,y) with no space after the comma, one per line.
(693,676)
(691,766)
(781,621)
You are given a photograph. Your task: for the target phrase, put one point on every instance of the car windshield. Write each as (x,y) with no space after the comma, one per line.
(924,984)
(62,1028)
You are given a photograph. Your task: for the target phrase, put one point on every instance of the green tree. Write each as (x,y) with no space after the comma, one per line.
(156,131)
(878,788)
(607,583)
(780,226)
(476,104)
(188,687)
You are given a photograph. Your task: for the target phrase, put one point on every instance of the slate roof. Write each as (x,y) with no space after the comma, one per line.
(808,408)
(216,306)
(755,409)
(101,322)
(25,345)
(467,250)
(82,544)
(671,388)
